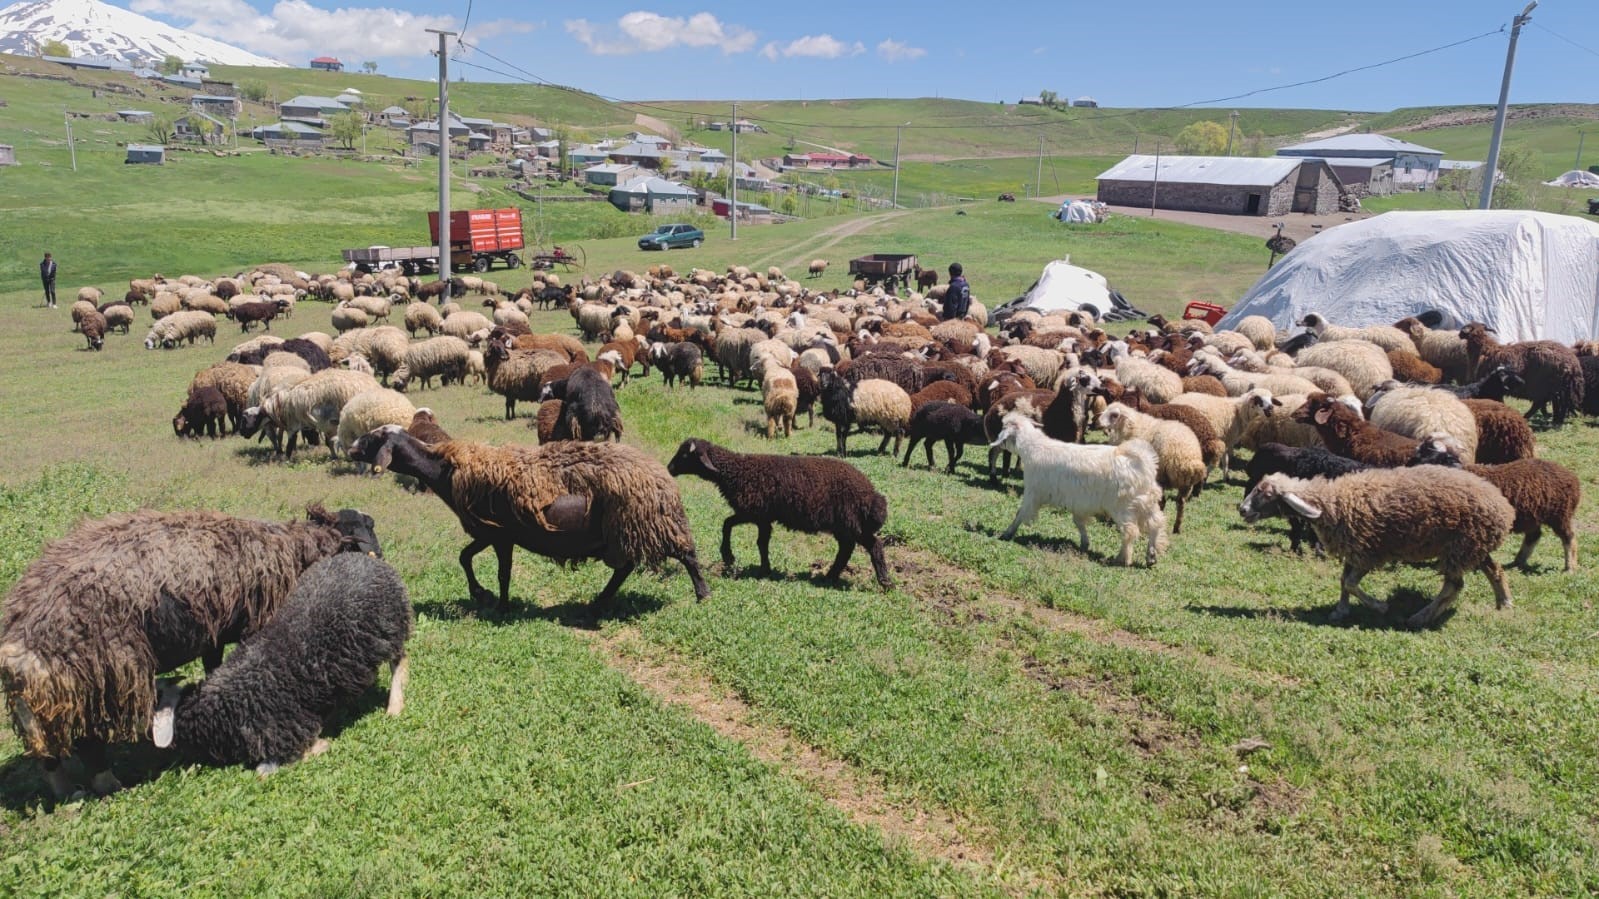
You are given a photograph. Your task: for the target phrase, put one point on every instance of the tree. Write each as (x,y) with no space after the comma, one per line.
(1202,139)
(346,128)
(172,65)
(1256,145)
(788,204)
(1518,172)
(369,67)
(160,129)
(253,90)
(55,48)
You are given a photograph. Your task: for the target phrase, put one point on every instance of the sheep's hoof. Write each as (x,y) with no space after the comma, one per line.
(1339,614)
(319,747)
(1418,621)
(266,769)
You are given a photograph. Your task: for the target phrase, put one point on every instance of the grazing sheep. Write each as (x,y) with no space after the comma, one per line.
(183,326)
(93,327)
(518,374)
(872,403)
(589,410)
(1542,493)
(464,324)
(806,494)
(314,404)
(279,359)
(443,357)
(1421,411)
(1550,370)
(118,600)
(266,705)
(678,362)
(1181,461)
(1374,518)
(1088,481)
(1301,463)
(1385,336)
(547,420)
(118,315)
(164,305)
(90,295)
(953,423)
(247,314)
(368,411)
(779,399)
(567,501)
(377,309)
(202,411)
(817,268)
(421,316)
(233,380)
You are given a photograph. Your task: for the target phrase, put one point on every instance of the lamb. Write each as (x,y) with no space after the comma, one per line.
(1297,462)
(1542,493)
(1503,434)
(1088,481)
(955,424)
(567,501)
(1551,370)
(589,410)
(1385,336)
(1181,464)
(779,399)
(444,357)
(118,600)
(1374,518)
(1411,368)
(421,316)
(266,705)
(185,325)
(202,411)
(869,403)
(370,410)
(678,362)
(1420,411)
(817,268)
(806,494)
(1347,434)
(93,327)
(547,420)
(233,380)
(425,427)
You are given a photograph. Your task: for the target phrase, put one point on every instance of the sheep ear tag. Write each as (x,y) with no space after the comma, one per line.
(1300,506)
(1323,414)
(385,453)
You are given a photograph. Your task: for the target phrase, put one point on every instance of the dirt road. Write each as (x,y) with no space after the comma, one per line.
(812,246)
(1297,225)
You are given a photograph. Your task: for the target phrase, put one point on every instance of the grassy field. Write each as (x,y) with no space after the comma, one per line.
(1013,719)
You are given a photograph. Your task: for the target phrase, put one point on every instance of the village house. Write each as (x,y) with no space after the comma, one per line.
(609,174)
(8,155)
(136,116)
(1224,184)
(645,155)
(94,63)
(291,133)
(1414,167)
(426,134)
(222,107)
(195,70)
(654,195)
(199,128)
(395,117)
(146,154)
(307,108)
(327,64)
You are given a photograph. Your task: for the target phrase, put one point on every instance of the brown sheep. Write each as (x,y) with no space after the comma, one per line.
(1542,493)
(1503,434)
(1550,370)
(1350,436)
(1411,368)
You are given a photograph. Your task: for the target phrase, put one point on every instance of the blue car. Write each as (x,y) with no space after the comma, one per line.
(668,236)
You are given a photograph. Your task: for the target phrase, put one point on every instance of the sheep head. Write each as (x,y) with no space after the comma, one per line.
(1276,495)
(1012,424)
(693,457)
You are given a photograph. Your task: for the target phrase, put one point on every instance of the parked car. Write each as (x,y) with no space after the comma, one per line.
(668,236)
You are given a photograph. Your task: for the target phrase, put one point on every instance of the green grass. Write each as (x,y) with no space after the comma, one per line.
(1076,717)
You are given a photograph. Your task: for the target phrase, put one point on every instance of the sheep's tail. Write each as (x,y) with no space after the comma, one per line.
(1572,390)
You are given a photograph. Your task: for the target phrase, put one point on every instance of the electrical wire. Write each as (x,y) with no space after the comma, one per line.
(1589,50)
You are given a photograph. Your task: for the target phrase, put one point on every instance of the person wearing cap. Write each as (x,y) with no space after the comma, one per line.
(47,274)
(957,295)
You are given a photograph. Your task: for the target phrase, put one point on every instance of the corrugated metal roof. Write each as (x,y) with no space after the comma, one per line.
(1352,162)
(1236,171)
(1359,143)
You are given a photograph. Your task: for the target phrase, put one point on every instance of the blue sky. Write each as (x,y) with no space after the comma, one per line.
(1131,53)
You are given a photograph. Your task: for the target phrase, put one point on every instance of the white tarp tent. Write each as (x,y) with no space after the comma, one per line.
(1080,212)
(1064,287)
(1575,178)
(1529,275)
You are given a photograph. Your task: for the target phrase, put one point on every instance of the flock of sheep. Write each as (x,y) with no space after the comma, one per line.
(1381,444)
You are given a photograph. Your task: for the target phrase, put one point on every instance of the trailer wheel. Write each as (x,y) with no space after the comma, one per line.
(513,261)
(480,264)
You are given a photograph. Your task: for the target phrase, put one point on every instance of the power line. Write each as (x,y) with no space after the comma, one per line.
(1568,40)
(461,38)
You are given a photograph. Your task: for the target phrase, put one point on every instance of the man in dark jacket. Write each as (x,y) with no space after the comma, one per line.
(47,274)
(957,295)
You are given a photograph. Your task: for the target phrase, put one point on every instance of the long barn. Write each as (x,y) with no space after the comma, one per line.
(1224,184)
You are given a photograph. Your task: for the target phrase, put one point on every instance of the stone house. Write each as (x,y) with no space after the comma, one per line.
(1223,184)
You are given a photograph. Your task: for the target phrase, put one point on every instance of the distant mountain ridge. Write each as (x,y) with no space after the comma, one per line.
(93,28)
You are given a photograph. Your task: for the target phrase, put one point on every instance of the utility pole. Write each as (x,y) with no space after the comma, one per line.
(1232,126)
(1038,178)
(71,145)
(1491,167)
(444,154)
(732,179)
(899,131)
(1580,136)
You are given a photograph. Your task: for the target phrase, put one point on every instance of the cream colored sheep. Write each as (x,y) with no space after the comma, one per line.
(1182,464)
(780,399)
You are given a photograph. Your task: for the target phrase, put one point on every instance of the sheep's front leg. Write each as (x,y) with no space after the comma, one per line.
(1528,542)
(1082,536)
(613,585)
(1025,515)
(1496,577)
(503,552)
(56,776)
(399,676)
(473,587)
(846,548)
(728,524)
(1350,585)
(874,548)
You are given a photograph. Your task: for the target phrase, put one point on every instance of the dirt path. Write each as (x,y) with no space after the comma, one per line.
(1299,226)
(807,249)
(931,832)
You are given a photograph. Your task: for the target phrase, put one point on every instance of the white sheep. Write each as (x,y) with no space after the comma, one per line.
(315,403)
(462,323)
(1157,384)
(422,317)
(780,399)
(1385,336)
(443,357)
(367,411)
(1232,417)
(348,318)
(1088,481)
(185,325)
(1238,383)
(1365,364)
(1420,412)
(1259,329)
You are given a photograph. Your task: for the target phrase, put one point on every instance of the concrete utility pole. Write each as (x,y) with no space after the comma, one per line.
(899,131)
(1491,167)
(71,145)
(1232,126)
(444,154)
(732,179)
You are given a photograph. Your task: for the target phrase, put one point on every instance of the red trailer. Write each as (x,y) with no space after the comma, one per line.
(480,236)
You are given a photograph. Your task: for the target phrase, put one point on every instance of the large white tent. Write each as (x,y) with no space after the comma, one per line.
(1529,275)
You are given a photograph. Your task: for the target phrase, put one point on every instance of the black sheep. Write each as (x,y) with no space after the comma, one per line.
(1297,462)
(1495,385)
(956,425)
(203,411)
(589,410)
(263,311)
(803,493)
(679,362)
(265,706)
(810,390)
(1590,379)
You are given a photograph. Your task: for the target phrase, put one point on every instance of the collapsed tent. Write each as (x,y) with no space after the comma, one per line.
(1064,287)
(1529,275)
(1078,212)
(1575,178)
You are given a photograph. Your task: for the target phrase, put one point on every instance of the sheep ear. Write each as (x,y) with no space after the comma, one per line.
(1300,506)
(1323,414)
(385,454)
(161,726)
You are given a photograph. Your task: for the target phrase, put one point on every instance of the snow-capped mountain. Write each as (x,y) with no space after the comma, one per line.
(92,28)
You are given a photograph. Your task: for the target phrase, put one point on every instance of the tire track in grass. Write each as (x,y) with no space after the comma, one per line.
(824,239)
(933,833)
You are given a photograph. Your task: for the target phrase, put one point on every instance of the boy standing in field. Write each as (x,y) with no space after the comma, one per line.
(47,274)
(957,295)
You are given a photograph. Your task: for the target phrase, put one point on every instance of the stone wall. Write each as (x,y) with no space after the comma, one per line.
(1228,199)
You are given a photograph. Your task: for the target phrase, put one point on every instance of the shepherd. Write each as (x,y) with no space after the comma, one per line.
(957,295)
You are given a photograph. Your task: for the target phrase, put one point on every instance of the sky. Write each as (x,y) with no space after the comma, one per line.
(1134,53)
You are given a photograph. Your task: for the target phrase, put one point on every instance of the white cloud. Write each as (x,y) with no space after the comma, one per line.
(295,30)
(819,46)
(894,51)
(647,32)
